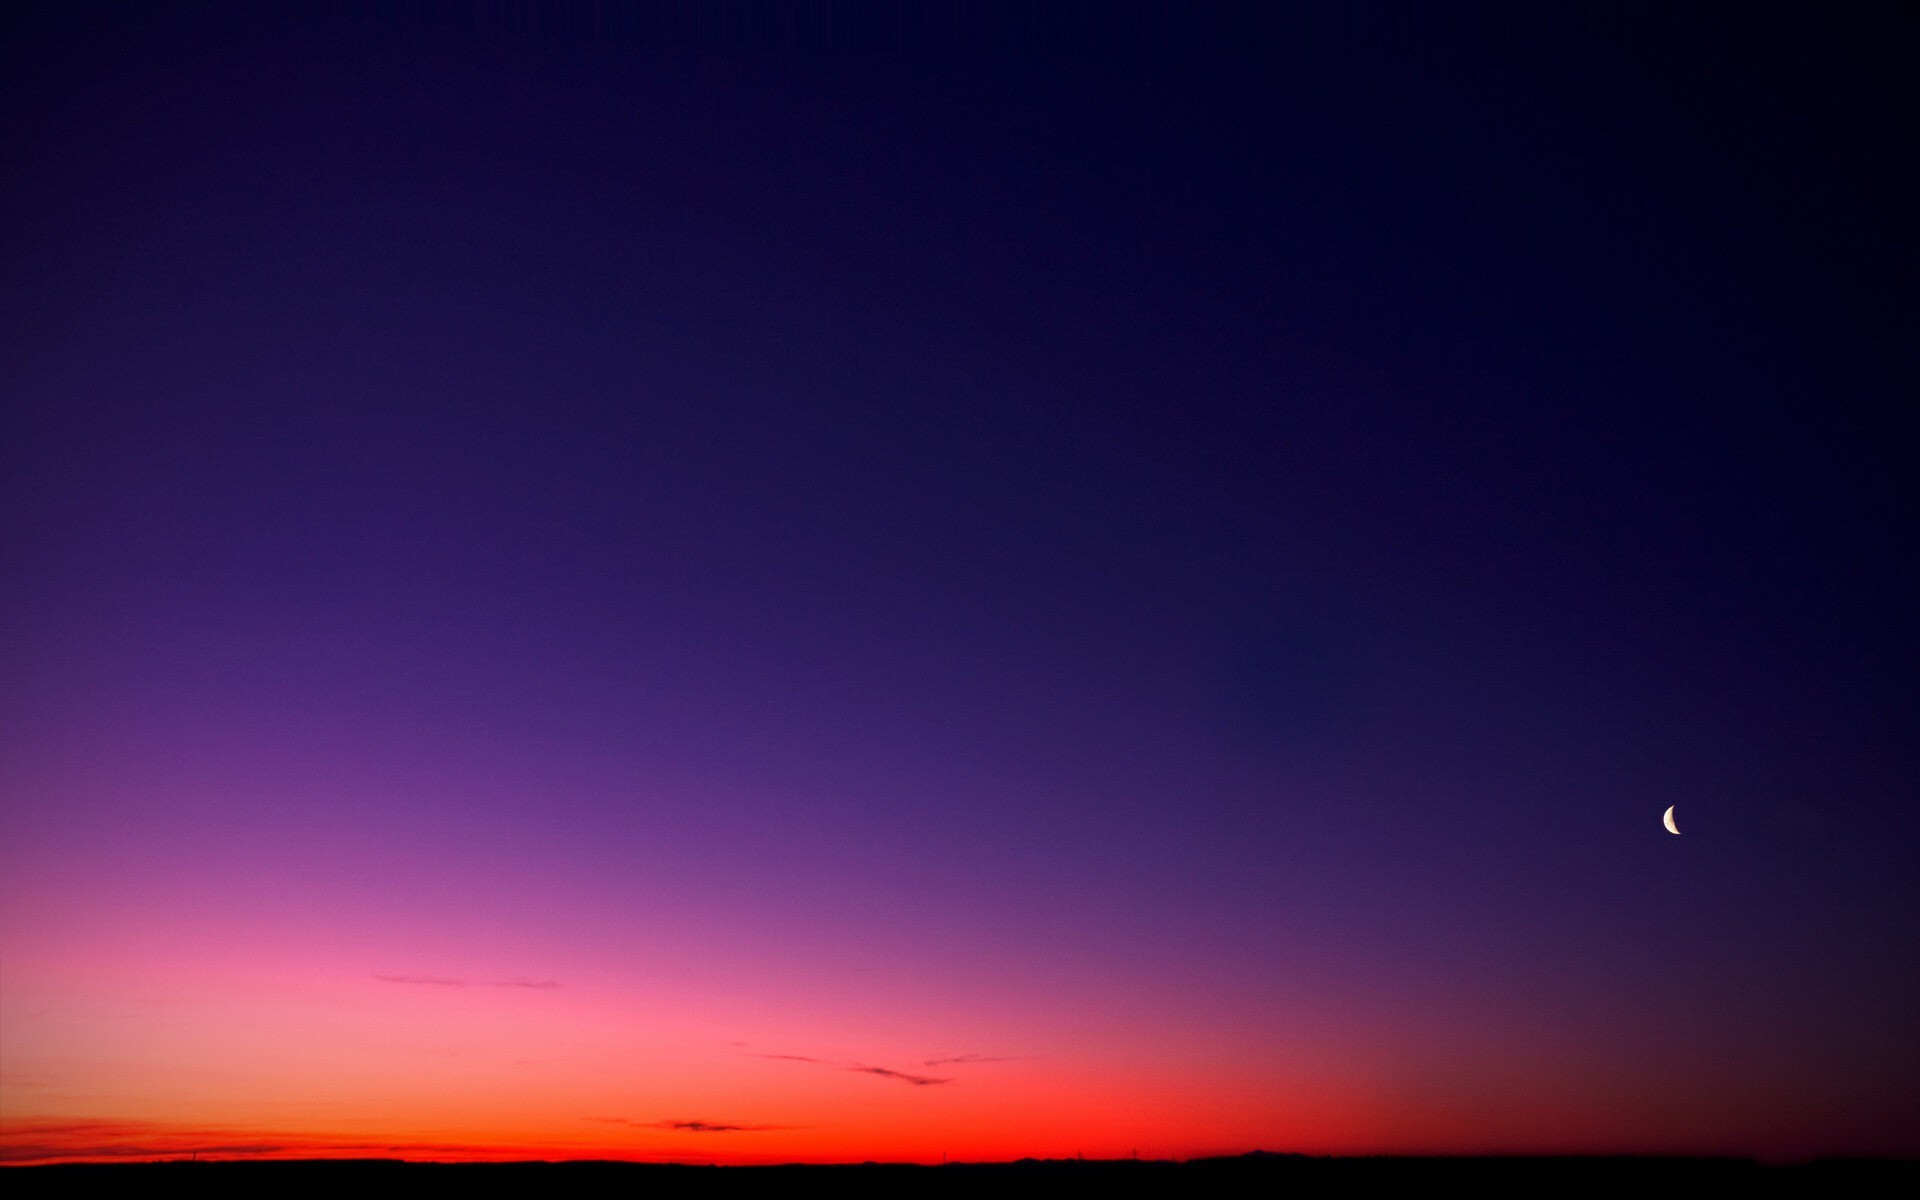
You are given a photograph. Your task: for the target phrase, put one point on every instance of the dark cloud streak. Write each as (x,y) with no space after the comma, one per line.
(862,1068)
(902,1076)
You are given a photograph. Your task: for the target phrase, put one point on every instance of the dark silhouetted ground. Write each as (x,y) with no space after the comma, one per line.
(1259,1173)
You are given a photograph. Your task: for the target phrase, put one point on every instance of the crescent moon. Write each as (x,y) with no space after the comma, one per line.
(1667,820)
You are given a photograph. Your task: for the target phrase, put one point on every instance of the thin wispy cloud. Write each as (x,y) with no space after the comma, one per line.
(966,1058)
(902,1076)
(104,1139)
(861,1068)
(689,1126)
(442,981)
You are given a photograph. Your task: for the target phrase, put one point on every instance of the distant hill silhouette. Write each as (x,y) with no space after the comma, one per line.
(1298,1174)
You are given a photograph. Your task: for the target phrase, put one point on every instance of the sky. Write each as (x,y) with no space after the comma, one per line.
(758,584)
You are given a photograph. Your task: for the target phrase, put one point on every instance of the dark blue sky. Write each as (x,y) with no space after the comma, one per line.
(1139,480)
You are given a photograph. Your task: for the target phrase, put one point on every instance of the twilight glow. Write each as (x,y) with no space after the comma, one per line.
(737,594)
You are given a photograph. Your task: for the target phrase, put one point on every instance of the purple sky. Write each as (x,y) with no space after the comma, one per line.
(1146,548)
